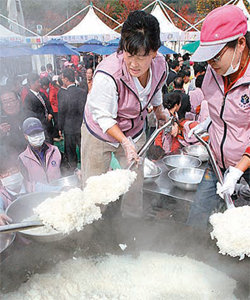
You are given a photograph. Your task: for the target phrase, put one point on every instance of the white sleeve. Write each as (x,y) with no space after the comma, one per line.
(103,101)
(157,99)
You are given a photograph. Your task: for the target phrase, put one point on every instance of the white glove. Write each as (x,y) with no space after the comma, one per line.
(230,179)
(200,127)
(129,149)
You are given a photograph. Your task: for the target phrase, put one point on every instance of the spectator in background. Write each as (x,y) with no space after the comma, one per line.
(11,120)
(199,69)
(40,163)
(185,102)
(185,74)
(67,65)
(24,90)
(45,86)
(89,76)
(168,142)
(70,116)
(180,60)
(43,73)
(53,92)
(50,71)
(37,105)
(174,69)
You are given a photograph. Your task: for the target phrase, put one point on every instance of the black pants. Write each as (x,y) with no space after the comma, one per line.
(70,143)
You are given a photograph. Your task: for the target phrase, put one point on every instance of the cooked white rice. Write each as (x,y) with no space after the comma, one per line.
(232,231)
(151,276)
(68,211)
(75,208)
(108,187)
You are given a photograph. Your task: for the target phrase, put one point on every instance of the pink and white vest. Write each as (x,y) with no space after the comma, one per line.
(130,115)
(33,171)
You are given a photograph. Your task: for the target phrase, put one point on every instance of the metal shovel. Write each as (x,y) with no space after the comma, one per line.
(20,226)
(217,170)
(144,148)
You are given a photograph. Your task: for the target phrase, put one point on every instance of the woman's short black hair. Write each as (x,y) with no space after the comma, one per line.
(169,100)
(141,31)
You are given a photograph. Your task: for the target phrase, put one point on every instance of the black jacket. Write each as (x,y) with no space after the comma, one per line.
(171,76)
(70,110)
(34,108)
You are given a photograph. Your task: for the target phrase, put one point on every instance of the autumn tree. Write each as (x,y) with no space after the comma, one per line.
(203,7)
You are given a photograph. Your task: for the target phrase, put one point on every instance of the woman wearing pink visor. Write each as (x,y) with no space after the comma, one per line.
(224,44)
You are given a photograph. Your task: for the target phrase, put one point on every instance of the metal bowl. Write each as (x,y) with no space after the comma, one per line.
(67,181)
(181,161)
(6,239)
(150,170)
(153,175)
(197,150)
(22,208)
(186,178)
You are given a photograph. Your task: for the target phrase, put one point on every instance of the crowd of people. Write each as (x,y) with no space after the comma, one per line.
(113,109)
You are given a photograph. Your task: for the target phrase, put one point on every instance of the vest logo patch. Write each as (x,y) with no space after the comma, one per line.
(244,101)
(53,163)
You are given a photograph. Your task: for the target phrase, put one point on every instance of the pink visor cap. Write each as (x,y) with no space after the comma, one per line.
(222,25)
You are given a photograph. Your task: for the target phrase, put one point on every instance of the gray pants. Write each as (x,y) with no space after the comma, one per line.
(95,160)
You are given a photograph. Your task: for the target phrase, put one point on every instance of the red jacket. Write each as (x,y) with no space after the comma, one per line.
(53,97)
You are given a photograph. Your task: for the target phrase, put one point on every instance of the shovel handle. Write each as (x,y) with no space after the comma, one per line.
(151,140)
(20,226)
(217,170)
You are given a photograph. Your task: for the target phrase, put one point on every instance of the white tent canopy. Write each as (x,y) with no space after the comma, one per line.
(91,27)
(242,6)
(168,30)
(6,33)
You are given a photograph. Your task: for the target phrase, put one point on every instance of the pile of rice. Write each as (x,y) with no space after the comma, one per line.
(108,187)
(68,211)
(151,276)
(74,209)
(232,231)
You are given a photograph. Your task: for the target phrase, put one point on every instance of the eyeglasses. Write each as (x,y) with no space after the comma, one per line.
(218,57)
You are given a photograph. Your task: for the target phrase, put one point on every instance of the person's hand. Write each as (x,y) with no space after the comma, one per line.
(203,126)
(232,176)
(129,149)
(175,129)
(4,129)
(4,219)
(60,133)
(50,116)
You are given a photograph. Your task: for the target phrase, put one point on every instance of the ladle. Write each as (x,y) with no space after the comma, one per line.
(217,170)
(20,226)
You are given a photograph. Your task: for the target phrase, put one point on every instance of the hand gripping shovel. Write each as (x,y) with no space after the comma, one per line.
(227,197)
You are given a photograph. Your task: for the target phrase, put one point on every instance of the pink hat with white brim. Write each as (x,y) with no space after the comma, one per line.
(222,25)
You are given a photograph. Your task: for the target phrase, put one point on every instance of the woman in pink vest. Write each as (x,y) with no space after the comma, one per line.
(40,162)
(123,86)
(224,44)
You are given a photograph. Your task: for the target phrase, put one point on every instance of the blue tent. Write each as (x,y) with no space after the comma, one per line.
(90,46)
(10,49)
(106,50)
(114,42)
(165,50)
(56,47)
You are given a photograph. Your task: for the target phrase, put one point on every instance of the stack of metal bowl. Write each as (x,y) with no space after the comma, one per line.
(183,171)
(151,170)
(198,151)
